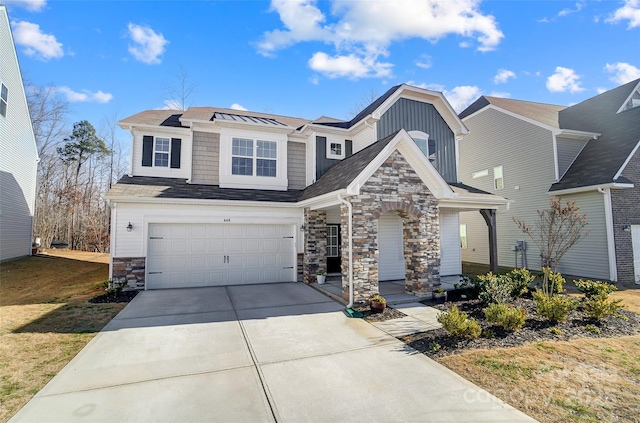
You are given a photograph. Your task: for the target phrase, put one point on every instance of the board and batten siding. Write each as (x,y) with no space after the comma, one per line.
(568,150)
(525,151)
(206,158)
(450,260)
(184,172)
(412,115)
(18,155)
(296,165)
(133,244)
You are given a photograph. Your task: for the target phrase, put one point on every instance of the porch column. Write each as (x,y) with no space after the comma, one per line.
(422,252)
(315,244)
(365,253)
(490,217)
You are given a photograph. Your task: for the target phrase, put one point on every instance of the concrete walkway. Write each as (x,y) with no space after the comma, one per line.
(259,353)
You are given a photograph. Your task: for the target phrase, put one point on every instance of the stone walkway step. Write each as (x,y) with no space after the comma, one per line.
(420,318)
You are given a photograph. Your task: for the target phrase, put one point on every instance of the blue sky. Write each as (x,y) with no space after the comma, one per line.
(310,58)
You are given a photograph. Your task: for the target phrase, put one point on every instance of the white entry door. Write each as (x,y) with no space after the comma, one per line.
(635,239)
(390,247)
(181,255)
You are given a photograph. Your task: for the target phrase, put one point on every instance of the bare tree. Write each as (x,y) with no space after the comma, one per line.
(180,90)
(558,229)
(365,100)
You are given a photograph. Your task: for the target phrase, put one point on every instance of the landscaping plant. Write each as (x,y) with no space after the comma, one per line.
(553,307)
(494,289)
(508,317)
(596,302)
(458,323)
(519,280)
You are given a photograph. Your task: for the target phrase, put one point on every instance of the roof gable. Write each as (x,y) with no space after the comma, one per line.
(546,114)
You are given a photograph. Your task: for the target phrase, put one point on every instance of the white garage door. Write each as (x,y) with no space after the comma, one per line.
(189,255)
(390,247)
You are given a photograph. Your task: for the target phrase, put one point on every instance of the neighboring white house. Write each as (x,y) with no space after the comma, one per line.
(18,153)
(531,152)
(218,196)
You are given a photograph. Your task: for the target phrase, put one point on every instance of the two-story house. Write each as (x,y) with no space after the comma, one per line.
(217,196)
(587,153)
(18,153)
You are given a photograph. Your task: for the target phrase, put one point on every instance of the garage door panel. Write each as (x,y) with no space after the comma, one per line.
(187,255)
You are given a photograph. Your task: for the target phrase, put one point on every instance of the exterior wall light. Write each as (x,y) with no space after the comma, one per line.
(129,227)
(626,228)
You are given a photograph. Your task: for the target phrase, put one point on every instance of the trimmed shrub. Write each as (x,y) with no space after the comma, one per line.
(554,308)
(458,323)
(594,288)
(508,317)
(556,281)
(600,306)
(494,289)
(519,279)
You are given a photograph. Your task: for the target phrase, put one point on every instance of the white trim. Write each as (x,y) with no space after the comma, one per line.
(572,134)
(112,237)
(330,155)
(199,202)
(556,166)
(611,244)
(626,162)
(621,109)
(131,153)
(590,188)
(480,174)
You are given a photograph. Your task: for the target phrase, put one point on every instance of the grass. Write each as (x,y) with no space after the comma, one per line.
(581,380)
(45,319)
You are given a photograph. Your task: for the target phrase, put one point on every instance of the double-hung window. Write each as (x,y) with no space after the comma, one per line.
(161,152)
(498,179)
(253,157)
(4,92)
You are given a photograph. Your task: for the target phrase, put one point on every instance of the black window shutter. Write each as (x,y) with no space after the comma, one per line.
(348,144)
(176,143)
(147,150)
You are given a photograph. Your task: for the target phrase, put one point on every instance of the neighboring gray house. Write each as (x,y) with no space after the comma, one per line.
(218,197)
(529,152)
(18,153)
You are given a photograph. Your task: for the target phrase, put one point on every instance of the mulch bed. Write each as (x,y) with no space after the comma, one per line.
(388,314)
(438,343)
(122,297)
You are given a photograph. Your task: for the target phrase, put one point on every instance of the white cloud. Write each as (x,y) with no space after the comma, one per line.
(563,80)
(630,11)
(462,96)
(500,94)
(36,43)
(30,5)
(579,6)
(601,90)
(350,66)
(503,76)
(315,80)
(362,31)
(172,105)
(424,61)
(148,45)
(623,72)
(236,106)
(84,96)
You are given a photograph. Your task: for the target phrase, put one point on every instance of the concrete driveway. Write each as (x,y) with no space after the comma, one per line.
(254,353)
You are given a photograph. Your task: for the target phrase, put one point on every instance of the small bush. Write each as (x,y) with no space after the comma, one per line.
(519,279)
(592,329)
(594,288)
(554,308)
(114,287)
(434,346)
(508,317)
(555,281)
(494,289)
(600,306)
(457,323)
(557,331)
(487,334)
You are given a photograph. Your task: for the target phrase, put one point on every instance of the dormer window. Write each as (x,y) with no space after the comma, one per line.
(634,101)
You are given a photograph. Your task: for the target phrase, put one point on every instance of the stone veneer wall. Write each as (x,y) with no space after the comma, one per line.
(626,211)
(131,269)
(315,241)
(394,186)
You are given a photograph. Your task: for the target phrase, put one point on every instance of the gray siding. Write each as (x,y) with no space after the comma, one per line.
(296,165)
(412,115)
(568,150)
(525,151)
(322,162)
(206,159)
(18,156)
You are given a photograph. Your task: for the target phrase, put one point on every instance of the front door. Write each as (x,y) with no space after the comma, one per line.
(635,239)
(333,249)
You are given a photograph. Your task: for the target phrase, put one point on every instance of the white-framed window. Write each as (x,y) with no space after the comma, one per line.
(254,157)
(335,149)
(161,152)
(463,236)
(333,241)
(4,93)
(426,145)
(498,177)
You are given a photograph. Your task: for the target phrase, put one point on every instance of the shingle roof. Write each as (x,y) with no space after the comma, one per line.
(601,159)
(540,112)
(340,175)
(170,188)
(155,118)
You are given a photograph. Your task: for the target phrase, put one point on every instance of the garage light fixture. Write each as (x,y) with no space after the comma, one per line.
(129,227)
(626,228)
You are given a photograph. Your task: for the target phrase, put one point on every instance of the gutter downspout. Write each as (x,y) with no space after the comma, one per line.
(611,245)
(349,206)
